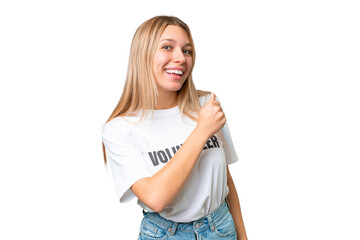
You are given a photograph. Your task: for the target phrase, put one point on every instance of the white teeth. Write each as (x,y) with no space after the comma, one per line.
(179,72)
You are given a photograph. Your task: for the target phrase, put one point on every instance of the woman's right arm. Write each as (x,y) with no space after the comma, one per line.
(159,190)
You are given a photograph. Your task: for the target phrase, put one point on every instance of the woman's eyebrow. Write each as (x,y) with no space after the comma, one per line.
(172,40)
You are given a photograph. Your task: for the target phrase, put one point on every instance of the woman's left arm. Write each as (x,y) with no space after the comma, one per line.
(235,210)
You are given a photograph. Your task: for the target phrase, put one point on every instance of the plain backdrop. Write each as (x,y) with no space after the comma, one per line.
(286,72)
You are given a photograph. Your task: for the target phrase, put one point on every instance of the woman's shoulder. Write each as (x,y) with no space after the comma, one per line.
(121,124)
(202,94)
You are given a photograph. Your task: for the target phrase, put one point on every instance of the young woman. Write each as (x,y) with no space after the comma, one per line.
(168,144)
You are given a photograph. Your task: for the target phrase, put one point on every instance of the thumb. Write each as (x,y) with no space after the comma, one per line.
(212,97)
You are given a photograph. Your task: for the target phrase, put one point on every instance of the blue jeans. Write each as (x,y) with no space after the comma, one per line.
(218,224)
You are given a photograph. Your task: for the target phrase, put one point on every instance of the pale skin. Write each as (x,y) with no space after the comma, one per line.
(159,190)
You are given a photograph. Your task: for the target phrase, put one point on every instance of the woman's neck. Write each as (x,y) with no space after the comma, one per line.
(166,101)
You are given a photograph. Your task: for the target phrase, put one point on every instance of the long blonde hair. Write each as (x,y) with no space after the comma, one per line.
(140,90)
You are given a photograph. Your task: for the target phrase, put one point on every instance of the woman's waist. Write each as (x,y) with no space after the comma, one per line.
(199,223)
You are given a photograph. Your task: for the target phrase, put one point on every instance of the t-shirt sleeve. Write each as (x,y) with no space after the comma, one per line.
(229,149)
(125,159)
(230,153)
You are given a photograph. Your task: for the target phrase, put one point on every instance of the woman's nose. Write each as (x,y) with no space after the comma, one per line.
(179,56)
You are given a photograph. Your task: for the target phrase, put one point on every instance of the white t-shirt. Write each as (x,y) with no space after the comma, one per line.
(139,149)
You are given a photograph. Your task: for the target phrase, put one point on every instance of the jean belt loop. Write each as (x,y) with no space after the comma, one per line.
(173,228)
(211,223)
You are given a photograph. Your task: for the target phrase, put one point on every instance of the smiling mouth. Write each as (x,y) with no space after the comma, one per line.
(174,71)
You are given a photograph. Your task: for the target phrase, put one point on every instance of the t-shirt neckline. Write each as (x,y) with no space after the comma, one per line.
(165,112)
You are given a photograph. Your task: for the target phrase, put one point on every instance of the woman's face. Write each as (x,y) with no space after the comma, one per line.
(172,60)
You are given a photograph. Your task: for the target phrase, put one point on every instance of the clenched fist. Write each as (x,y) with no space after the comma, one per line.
(211,118)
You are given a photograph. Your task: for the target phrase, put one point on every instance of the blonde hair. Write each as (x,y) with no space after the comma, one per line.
(140,90)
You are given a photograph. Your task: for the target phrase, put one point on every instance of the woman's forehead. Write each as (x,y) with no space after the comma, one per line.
(174,33)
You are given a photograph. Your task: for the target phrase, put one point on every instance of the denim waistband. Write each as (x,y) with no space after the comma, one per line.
(196,226)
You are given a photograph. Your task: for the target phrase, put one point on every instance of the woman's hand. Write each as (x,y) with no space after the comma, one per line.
(211,118)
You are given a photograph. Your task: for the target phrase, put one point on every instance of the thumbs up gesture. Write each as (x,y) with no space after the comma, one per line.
(211,117)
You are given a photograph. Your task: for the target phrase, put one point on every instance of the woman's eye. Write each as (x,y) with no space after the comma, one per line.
(167,47)
(187,51)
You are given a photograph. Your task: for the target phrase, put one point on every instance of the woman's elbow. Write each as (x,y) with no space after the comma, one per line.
(157,208)
(155,202)
(152,198)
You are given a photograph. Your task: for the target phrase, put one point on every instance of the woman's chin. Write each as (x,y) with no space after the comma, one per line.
(173,88)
